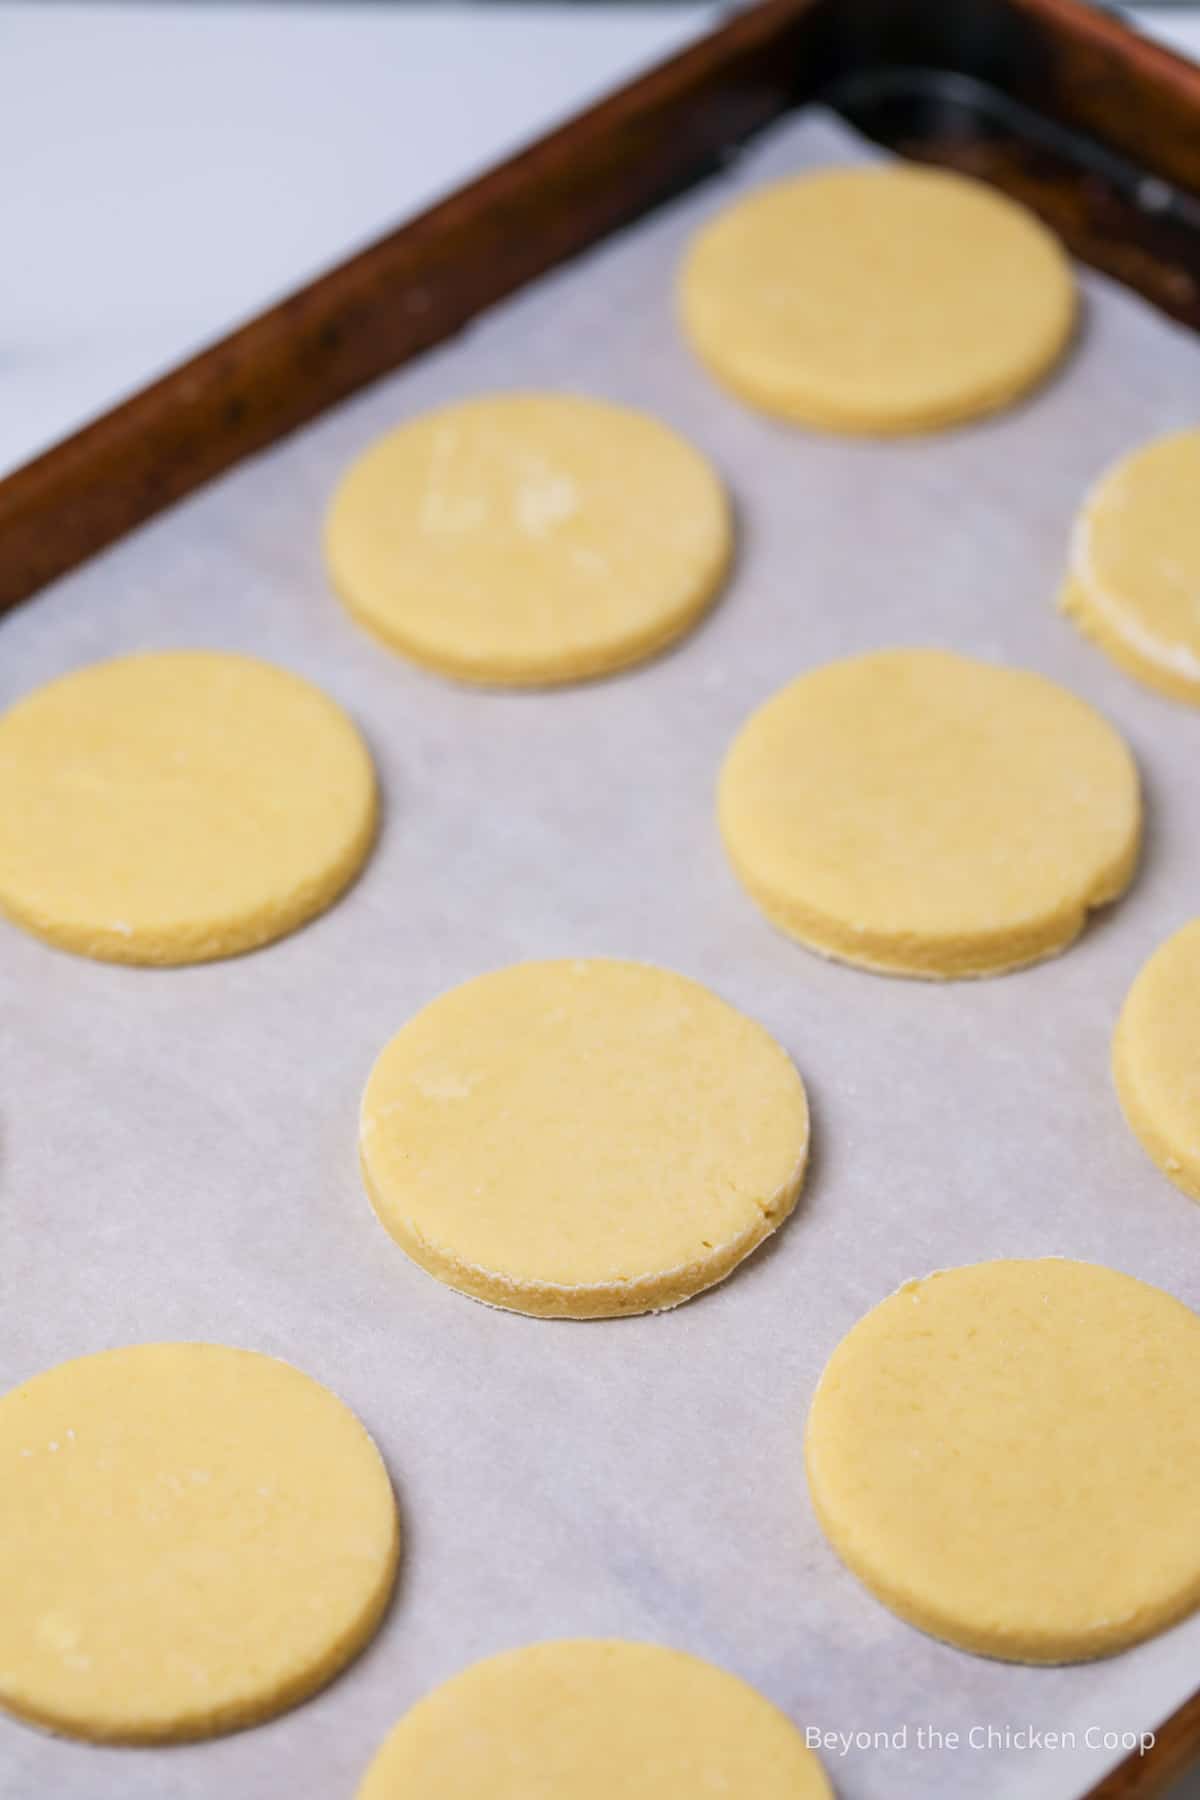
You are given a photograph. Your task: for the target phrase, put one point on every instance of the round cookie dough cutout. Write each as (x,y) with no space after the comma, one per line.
(591,1718)
(920,813)
(578,1139)
(1156,1058)
(527,539)
(877,300)
(1008,1456)
(1133,583)
(192,1539)
(177,806)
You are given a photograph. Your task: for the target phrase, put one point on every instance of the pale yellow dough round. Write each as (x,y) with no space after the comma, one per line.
(192,1538)
(1008,1455)
(590,1719)
(580,1139)
(1156,1058)
(920,813)
(1133,583)
(877,300)
(177,806)
(524,539)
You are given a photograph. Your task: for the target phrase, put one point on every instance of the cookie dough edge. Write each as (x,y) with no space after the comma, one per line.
(601,1300)
(243,1715)
(1098,623)
(1137,1114)
(1000,953)
(216,943)
(377,1780)
(788,400)
(558,669)
(1045,1650)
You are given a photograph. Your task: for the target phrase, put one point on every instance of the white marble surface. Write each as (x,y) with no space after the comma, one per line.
(171,168)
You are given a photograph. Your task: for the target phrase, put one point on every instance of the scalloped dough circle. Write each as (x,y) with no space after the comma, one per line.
(1007,1455)
(192,1539)
(178,805)
(877,300)
(920,813)
(525,539)
(589,1719)
(1133,583)
(582,1139)
(1156,1058)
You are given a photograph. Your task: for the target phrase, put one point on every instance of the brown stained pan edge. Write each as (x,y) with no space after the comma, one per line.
(400,296)
(1106,79)
(1176,1746)
(1093,219)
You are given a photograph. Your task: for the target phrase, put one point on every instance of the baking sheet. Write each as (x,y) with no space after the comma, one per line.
(177,1157)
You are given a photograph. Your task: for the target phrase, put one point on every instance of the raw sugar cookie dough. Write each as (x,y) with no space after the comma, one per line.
(178,805)
(191,1539)
(529,539)
(921,813)
(877,300)
(1156,1058)
(588,1719)
(1133,583)
(579,1139)
(1008,1455)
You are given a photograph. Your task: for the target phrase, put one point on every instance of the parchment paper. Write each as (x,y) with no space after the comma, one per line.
(179,1158)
